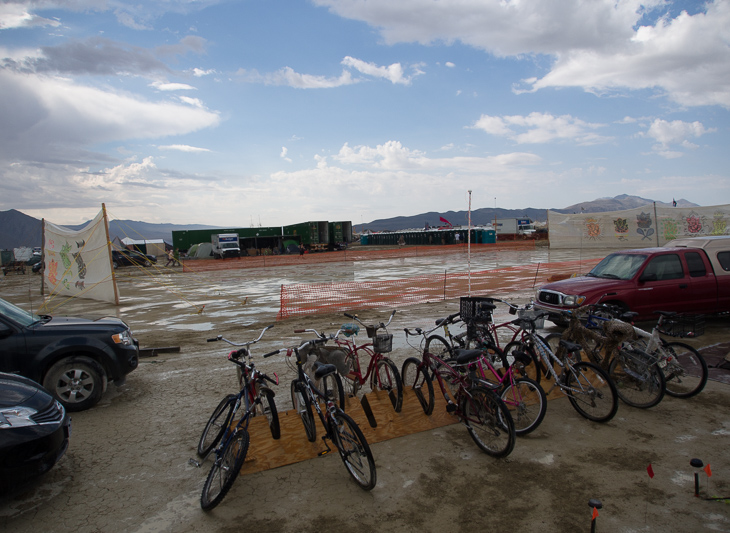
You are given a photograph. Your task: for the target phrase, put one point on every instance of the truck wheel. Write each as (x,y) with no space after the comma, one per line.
(76,382)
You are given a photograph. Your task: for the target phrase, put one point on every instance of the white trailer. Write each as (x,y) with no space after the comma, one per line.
(226,245)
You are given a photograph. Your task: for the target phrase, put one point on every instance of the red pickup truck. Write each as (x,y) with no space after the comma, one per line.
(686,275)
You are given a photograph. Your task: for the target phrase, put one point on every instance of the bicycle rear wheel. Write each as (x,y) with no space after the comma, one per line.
(591,392)
(387,378)
(686,372)
(527,404)
(488,421)
(267,407)
(216,426)
(417,381)
(639,382)
(354,450)
(303,407)
(222,475)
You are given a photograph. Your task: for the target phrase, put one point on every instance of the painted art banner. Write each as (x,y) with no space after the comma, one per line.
(642,227)
(78,262)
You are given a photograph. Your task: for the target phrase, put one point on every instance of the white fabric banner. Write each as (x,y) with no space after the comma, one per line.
(643,227)
(78,263)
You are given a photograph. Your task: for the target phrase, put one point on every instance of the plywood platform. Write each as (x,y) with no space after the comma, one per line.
(375,409)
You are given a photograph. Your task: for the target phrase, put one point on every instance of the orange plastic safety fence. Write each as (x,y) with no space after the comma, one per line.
(306,299)
(356,253)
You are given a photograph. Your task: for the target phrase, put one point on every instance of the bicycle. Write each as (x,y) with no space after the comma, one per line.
(230,441)
(636,373)
(339,427)
(482,331)
(381,370)
(524,397)
(588,387)
(684,369)
(473,400)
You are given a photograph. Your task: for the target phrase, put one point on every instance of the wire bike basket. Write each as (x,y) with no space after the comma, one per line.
(476,308)
(684,326)
(532,314)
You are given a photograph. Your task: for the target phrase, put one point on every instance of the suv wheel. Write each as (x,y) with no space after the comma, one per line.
(77,382)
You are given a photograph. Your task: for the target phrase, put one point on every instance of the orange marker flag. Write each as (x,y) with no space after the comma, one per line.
(595,514)
(708,471)
(650,471)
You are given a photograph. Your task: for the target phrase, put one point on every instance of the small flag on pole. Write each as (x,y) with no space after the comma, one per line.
(595,514)
(650,471)
(708,471)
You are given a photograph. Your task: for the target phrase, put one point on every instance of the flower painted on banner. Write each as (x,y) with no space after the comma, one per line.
(621,225)
(53,272)
(593,228)
(694,224)
(670,228)
(719,224)
(643,221)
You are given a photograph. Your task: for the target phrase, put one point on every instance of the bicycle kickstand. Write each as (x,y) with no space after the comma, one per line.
(328,450)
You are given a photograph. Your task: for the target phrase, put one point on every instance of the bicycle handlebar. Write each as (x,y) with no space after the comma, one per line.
(222,338)
(380,326)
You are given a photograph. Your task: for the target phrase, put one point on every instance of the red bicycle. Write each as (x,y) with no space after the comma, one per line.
(381,371)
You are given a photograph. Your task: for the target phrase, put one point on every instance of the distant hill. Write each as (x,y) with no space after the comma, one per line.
(486,215)
(18,229)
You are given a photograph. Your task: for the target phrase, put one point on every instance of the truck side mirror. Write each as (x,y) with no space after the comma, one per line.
(5,331)
(647,277)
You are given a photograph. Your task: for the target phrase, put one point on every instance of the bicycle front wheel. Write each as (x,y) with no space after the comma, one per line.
(332,383)
(685,372)
(222,475)
(591,391)
(303,407)
(489,421)
(387,378)
(216,426)
(639,382)
(416,380)
(354,450)
(527,404)
(267,407)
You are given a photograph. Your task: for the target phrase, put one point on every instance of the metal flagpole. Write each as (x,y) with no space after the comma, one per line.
(468,246)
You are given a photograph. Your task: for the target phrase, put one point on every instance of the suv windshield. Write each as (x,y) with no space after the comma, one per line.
(17,314)
(618,266)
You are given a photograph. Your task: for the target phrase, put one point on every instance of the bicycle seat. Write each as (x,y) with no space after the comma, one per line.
(570,346)
(466,356)
(321,370)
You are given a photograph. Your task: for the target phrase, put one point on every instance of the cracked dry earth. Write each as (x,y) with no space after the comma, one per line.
(127,467)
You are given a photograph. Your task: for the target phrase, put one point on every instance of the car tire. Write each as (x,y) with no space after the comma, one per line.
(77,382)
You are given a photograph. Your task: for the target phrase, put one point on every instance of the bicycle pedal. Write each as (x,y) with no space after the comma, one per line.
(451,407)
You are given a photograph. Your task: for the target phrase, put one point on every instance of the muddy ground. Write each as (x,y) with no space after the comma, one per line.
(128,470)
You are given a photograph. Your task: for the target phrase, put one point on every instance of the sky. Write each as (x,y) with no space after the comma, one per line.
(260,112)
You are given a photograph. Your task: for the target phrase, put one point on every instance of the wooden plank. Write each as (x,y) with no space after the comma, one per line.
(265,453)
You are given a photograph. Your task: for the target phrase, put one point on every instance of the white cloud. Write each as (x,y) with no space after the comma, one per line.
(199,73)
(393,73)
(183,148)
(598,46)
(676,131)
(284,151)
(166,86)
(538,128)
(17,15)
(287,76)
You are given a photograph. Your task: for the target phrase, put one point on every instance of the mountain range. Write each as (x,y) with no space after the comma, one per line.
(18,229)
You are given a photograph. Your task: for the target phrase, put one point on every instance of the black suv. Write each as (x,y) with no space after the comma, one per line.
(74,358)
(131,258)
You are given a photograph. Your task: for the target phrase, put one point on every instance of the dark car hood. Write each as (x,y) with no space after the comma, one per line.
(69,321)
(585,284)
(17,390)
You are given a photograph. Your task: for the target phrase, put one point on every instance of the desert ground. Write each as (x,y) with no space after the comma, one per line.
(128,470)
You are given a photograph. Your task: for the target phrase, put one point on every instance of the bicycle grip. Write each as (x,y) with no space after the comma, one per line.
(212,340)
(300,331)
(271,353)
(348,315)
